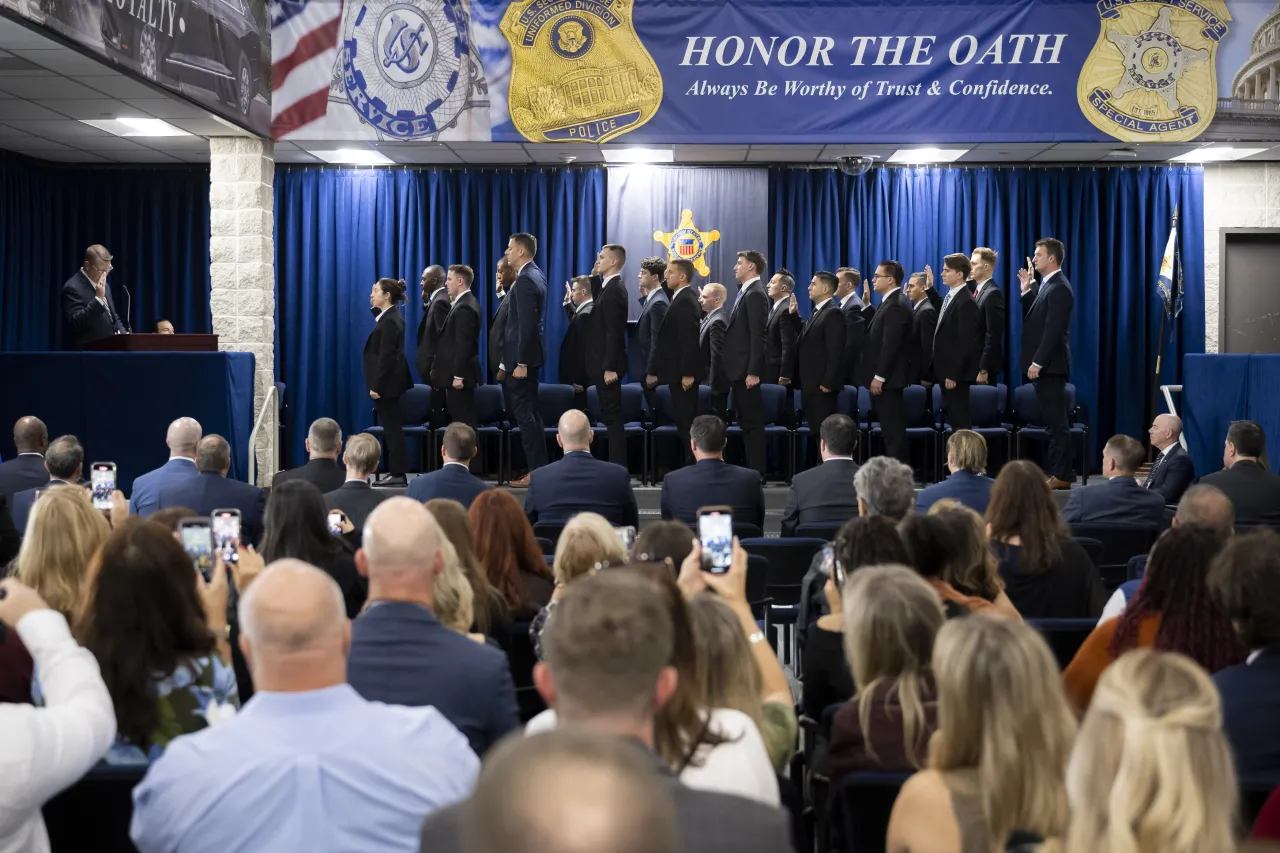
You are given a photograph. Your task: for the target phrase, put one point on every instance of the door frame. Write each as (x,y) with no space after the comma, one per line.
(1223,233)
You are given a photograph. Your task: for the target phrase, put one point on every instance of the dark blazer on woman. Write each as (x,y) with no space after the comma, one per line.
(386,370)
(851,745)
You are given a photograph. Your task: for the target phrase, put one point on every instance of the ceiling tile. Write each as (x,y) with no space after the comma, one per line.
(710,153)
(492,148)
(550,153)
(65,61)
(783,153)
(118,86)
(15,36)
(201,126)
(72,156)
(8,132)
(46,88)
(142,156)
(517,157)
(58,126)
(27,111)
(93,108)
(297,157)
(35,146)
(167,108)
(409,154)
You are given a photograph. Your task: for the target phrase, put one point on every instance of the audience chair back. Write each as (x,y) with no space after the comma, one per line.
(1093,548)
(95,812)
(548,546)
(826,531)
(861,809)
(548,532)
(788,561)
(1065,636)
(1120,543)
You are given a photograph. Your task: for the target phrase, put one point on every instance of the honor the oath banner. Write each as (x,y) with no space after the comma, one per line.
(776,71)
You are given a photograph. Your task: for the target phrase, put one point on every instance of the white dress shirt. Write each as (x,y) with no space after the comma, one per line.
(818,307)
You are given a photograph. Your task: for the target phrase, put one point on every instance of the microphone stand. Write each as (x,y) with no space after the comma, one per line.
(128,309)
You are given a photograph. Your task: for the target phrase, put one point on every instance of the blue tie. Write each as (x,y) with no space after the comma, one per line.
(945,302)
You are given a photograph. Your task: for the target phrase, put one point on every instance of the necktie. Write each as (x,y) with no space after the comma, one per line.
(1154,468)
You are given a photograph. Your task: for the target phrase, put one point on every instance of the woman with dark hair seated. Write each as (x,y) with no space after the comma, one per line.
(949,550)
(297,525)
(663,541)
(509,552)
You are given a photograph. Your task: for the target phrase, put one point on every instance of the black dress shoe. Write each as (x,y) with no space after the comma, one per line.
(392,480)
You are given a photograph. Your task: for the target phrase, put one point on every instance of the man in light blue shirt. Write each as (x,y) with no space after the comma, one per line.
(307,764)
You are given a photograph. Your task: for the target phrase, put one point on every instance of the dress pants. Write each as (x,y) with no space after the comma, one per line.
(522,399)
(438,415)
(610,397)
(893,423)
(685,408)
(461,403)
(956,402)
(388,409)
(720,404)
(750,410)
(1052,393)
(818,406)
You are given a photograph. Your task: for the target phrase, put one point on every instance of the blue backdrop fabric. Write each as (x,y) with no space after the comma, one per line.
(1219,389)
(1114,223)
(155,221)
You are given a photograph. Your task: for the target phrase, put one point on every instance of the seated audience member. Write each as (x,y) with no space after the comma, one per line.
(587,545)
(510,554)
(182,438)
(825,494)
(164,327)
(951,553)
(64,462)
(891,620)
(212,490)
(1151,771)
(968,484)
(336,771)
(26,470)
(1173,611)
(356,498)
(400,652)
(48,749)
(609,670)
(1118,499)
(711,481)
(1246,480)
(594,792)
(1245,582)
(297,527)
(170,518)
(1046,573)
(159,632)
(997,763)
(491,616)
(324,446)
(452,600)
(454,481)
(579,482)
(1172,472)
(64,534)
(663,541)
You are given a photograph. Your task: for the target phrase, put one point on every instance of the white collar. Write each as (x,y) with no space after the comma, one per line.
(780,300)
(1045,280)
(465,465)
(610,277)
(834,458)
(890,293)
(952,291)
(523,268)
(578,310)
(652,293)
(747,284)
(1253,656)
(383,311)
(436,292)
(32,453)
(1165,452)
(455,299)
(916,306)
(818,308)
(983,284)
(680,289)
(182,459)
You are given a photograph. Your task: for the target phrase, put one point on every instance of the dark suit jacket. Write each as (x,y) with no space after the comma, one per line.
(453,481)
(574,345)
(1046,325)
(821,495)
(1174,475)
(676,353)
(498,336)
(1119,500)
(208,492)
(10,538)
(744,346)
(957,347)
(885,353)
(609,319)
(84,319)
(325,474)
(707,822)
(356,498)
(458,353)
(991,328)
(1250,707)
(581,483)
(711,350)
(429,329)
(924,319)
(647,325)
(22,472)
(145,496)
(524,342)
(24,500)
(1254,492)
(386,370)
(819,350)
(971,490)
(855,334)
(401,655)
(713,482)
(781,330)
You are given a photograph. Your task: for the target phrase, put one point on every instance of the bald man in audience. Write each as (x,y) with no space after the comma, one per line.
(183,436)
(307,764)
(579,482)
(1118,499)
(27,469)
(212,489)
(401,654)
(1172,471)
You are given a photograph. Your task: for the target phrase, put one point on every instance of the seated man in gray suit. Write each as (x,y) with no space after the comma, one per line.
(825,494)
(1120,500)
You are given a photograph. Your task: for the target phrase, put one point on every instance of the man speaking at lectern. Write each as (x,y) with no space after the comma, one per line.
(88,311)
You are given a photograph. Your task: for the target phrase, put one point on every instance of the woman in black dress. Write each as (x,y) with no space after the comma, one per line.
(386,372)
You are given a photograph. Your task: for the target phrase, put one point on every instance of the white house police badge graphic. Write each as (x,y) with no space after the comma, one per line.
(1151,76)
(688,243)
(579,72)
(406,65)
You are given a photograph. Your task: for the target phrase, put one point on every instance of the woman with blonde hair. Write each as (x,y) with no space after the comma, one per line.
(998,761)
(587,544)
(452,600)
(63,533)
(488,606)
(1152,770)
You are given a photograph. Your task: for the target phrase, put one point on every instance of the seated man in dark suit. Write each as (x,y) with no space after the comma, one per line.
(182,438)
(710,481)
(401,654)
(825,493)
(324,444)
(607,649)
(1253,490)
(356,498)
(1173,471)
(26,470)
(212,490)
(1120,500)
(64,461)
(454,480)
(1245,582)
(579,482)
(968,483)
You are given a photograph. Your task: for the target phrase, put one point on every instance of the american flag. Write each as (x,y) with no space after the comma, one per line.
(304,46)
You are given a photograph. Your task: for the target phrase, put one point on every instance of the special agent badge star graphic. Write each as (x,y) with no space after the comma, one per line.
(688,243)
(1154,60)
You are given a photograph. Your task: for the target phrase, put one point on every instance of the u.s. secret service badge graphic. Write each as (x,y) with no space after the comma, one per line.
(405,65)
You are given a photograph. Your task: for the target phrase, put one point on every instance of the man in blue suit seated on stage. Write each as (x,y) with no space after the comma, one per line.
(64,461)
(182,438)
(579,482)
(968,483)
(1173,470)
(212,490)
(454,480)
(1120,500)
(401,654)
(710,481)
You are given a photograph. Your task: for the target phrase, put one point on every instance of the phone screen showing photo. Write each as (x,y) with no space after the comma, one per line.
(102,482)
(197,541)
(715,530)
(335,523)
(226,535)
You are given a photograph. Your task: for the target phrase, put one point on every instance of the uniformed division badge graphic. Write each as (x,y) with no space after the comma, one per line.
(1151,75)
(688,243)
(579,72)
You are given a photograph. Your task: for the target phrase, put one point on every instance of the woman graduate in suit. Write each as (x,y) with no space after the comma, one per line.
(386,372)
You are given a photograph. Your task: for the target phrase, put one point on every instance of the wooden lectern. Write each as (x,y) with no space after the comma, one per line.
(155,343)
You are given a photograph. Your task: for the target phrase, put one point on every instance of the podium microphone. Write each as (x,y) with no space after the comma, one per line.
(128,309)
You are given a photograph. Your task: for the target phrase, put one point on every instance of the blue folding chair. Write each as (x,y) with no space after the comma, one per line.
(1031,425)
(846,404)
(490,426)
(1065,636)
(415,412)
(920,425)
(986,403)
(773,405)
(861,809)
(553,401)
(633,424)
(663,423)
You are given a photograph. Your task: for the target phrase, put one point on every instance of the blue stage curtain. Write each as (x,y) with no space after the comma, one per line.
(1113,221)
(154,220)
(338,231)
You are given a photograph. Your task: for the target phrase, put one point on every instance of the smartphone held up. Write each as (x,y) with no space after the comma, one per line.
(715,533)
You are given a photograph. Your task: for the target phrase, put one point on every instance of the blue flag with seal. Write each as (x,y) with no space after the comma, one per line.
(1168,284)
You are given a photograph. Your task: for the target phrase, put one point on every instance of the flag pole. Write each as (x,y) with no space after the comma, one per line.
(1167,308)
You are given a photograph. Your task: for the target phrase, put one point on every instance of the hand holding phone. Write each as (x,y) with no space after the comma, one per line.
(627,535)
(225,525)
(102,482)
(197,540)
(335,522)
(715,532)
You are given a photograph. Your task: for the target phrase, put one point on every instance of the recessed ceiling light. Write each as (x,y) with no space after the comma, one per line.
(927,155)
(639,155)
(136,127)
(354,157)
(1122,153)
(1214,155)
